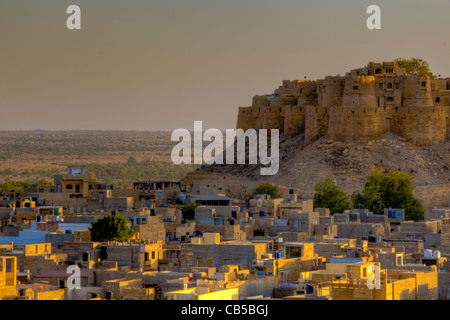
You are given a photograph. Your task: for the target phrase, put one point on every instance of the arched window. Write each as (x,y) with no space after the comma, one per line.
(389,99)
(438,99)
(378,71)
(389,85)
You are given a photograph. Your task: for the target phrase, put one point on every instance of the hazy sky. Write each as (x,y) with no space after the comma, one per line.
(161,64)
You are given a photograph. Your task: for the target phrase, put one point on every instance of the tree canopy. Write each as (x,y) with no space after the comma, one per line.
(391,190)
(328,195)
(415,66)
(112,227)
(266,188)
(188,211)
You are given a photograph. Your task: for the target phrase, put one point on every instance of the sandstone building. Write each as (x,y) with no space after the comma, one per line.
(365,104)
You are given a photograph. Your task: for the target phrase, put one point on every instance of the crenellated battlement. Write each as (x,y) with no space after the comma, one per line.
(366,103)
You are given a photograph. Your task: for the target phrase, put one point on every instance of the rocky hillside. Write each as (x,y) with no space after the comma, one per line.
(348,164)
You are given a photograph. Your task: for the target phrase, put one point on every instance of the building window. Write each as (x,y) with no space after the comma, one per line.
(438,99)
(424,84)
(199,262)
(378,71)
(389,99)
(153,255)
(69,187)
(302,226)
(389,85)
(355,87)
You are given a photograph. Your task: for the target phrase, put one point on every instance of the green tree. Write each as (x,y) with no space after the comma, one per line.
(266,188)
(391,190)
(415,66)
(328,195)
(112,227)
(11,185)
(189,211)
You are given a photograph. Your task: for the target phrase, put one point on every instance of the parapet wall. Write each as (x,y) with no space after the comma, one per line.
(422,126)
(357,123)
(290,120)
(316,123)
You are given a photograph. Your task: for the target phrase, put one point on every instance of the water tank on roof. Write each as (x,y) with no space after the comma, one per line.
(428,253)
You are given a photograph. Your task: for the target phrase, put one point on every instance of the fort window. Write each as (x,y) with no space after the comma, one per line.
(389,86)
(438,99)
(389,99)
(424,84)
(69,187)
(355,87)
(377,71)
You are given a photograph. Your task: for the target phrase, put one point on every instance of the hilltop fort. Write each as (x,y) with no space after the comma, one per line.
(364,105)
